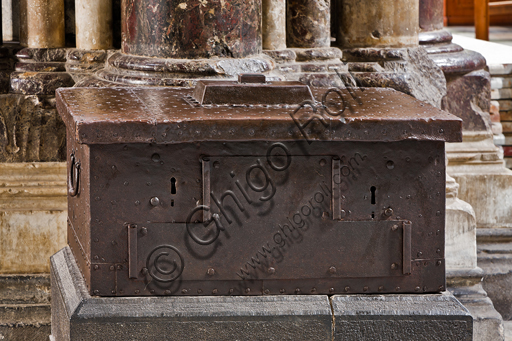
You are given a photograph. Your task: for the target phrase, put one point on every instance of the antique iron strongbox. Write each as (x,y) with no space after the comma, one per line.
(254,187)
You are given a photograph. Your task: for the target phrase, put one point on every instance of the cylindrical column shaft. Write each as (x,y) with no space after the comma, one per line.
(274,24)
(42,23)
(308,23)
(93,24)
(431,15)
(191,29)
(377,23)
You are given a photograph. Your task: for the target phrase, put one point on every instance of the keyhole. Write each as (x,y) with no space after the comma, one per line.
(173,185)
(373,189)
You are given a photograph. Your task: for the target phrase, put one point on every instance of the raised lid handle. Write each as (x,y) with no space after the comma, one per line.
(251,89)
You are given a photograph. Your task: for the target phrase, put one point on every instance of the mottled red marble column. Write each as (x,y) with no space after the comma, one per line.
(308,23)
(191,29)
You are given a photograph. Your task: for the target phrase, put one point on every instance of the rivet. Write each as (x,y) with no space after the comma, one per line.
(394,227)
(113,242)
(137,203)
(167,292)
(119,267)
(331,290)
(96,267)
(113,292)
(390,164)
(144,231)
(332,270)
(137,291)
(96,240)
(438,213)
(313,289)
(297,291)
(417,289)
(96,292)
(393,266)
(247,290)
(425,288)
(155,201)
(438,263)
(441,288)
(266,291)
(420,254)
(381,288)
(144,271)
(438,250)
(96,257)
(397,288)
(365,289)
(282,291)
(388,212)
(271,270)
(184,291)
(231,291)
(111,268)
(148,183)
(210,271)
(152,291)
(347,289)
(199,291)
(343,213)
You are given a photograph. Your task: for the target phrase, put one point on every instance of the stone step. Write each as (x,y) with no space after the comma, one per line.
(24,289)
(28,322)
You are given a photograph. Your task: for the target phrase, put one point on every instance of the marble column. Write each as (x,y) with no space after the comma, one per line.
(308,23)
(93,24)
(377,23)
(274,24)
(191,29)
(42,23)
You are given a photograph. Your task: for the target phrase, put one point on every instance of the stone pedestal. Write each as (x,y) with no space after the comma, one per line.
(78,316)
(400,317)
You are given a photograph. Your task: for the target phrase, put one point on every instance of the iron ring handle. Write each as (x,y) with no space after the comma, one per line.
(73,176)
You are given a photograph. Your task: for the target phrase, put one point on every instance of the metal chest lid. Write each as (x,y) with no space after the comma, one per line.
(268,111)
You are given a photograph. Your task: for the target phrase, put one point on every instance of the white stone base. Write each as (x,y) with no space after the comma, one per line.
(33,212)
(485,182)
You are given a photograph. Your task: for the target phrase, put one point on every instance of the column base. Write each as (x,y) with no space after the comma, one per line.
(495,258)
(78,316)
(40,72)
(466,286)
(408,70)
(128,70)
(317,67)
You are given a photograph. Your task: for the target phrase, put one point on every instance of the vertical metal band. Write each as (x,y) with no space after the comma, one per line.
(407,248)
(206,188)
(132,251)
(336,194)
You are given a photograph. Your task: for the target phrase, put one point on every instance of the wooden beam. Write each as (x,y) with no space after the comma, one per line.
(500,7)
(482,19)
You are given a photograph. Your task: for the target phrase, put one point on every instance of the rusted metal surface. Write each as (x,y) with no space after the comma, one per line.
(178,198)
